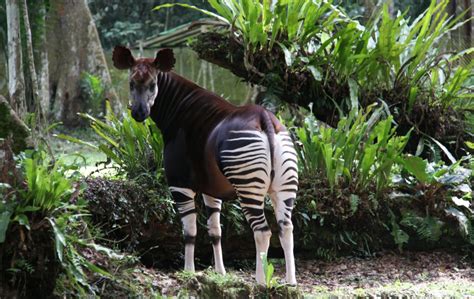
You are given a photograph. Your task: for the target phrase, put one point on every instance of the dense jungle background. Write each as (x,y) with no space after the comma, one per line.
(379,100)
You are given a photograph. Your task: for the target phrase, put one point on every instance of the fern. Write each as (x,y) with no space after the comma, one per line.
(427,228)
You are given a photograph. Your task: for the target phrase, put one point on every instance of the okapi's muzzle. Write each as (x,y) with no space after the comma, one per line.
(140,111)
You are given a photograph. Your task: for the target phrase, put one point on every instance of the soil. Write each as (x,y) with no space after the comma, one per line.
(434,274)
(417,268)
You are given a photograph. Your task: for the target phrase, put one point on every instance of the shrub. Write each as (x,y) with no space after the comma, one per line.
(136,149)
(48,207)
(433,202)
(360,152)
(93,89)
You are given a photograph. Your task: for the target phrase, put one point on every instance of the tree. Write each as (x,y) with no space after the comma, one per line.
(16,81)
(43,72)
(73,49)
(31,64)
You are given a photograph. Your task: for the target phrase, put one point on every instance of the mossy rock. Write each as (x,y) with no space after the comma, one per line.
(12,126)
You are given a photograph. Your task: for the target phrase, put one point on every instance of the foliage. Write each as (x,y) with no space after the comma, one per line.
(313,53)
(260,23)
(51,198)
(47,185)
(126,22)
(436,200)
(136,149)
(47,189)
(270,281)
(360,151)
(93,89)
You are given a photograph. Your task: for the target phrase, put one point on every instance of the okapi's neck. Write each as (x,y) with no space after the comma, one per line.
(181,104)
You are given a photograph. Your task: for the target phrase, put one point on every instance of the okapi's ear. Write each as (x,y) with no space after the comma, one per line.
(164,60)
(123,58)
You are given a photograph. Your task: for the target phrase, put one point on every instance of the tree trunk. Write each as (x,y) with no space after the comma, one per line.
(16,81)
(31,66)
(44,67)
(74,48)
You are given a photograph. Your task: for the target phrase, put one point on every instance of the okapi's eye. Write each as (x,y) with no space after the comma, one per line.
(132,85)
(152,87)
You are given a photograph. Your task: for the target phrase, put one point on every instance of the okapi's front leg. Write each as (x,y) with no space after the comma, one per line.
(213,207)
(184,200)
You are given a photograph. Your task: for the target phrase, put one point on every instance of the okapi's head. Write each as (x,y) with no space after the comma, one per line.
(143,77)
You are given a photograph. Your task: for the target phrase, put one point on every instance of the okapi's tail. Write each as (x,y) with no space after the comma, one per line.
(269,129)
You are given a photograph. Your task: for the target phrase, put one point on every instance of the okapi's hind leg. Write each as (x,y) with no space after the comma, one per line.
(245,161)
(283,194)
(184,200)
(213,207)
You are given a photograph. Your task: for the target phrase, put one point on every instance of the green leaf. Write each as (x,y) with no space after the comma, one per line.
(75,140)
(416,167)
(470,144)
(355,200)
(315,72)
(60,240)
(22,220)
(4,222)
(209,13)
(96,269)
(288,55)
(354,93)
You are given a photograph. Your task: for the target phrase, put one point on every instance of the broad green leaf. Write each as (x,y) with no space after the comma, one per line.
(416,167)
(60,240)
(4,222)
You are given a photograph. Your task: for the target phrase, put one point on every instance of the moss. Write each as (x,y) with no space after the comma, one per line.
(9,126)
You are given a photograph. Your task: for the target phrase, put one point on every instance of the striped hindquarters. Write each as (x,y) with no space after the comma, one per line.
(246,162)
(285,181)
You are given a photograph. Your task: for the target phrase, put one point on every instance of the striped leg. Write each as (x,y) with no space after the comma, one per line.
(283,194)
(184,199)
(213,207)
(245,160)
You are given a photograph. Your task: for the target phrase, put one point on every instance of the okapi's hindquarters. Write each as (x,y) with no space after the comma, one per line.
(283,194)
(246,162)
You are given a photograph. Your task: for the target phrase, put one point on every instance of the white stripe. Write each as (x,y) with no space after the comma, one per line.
(186,191)
(256,133)
(259,138)
(244,148)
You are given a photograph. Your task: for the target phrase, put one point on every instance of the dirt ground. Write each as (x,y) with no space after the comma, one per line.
(434,274)
(408,273)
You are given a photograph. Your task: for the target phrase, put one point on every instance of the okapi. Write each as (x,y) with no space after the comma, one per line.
(217,149)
